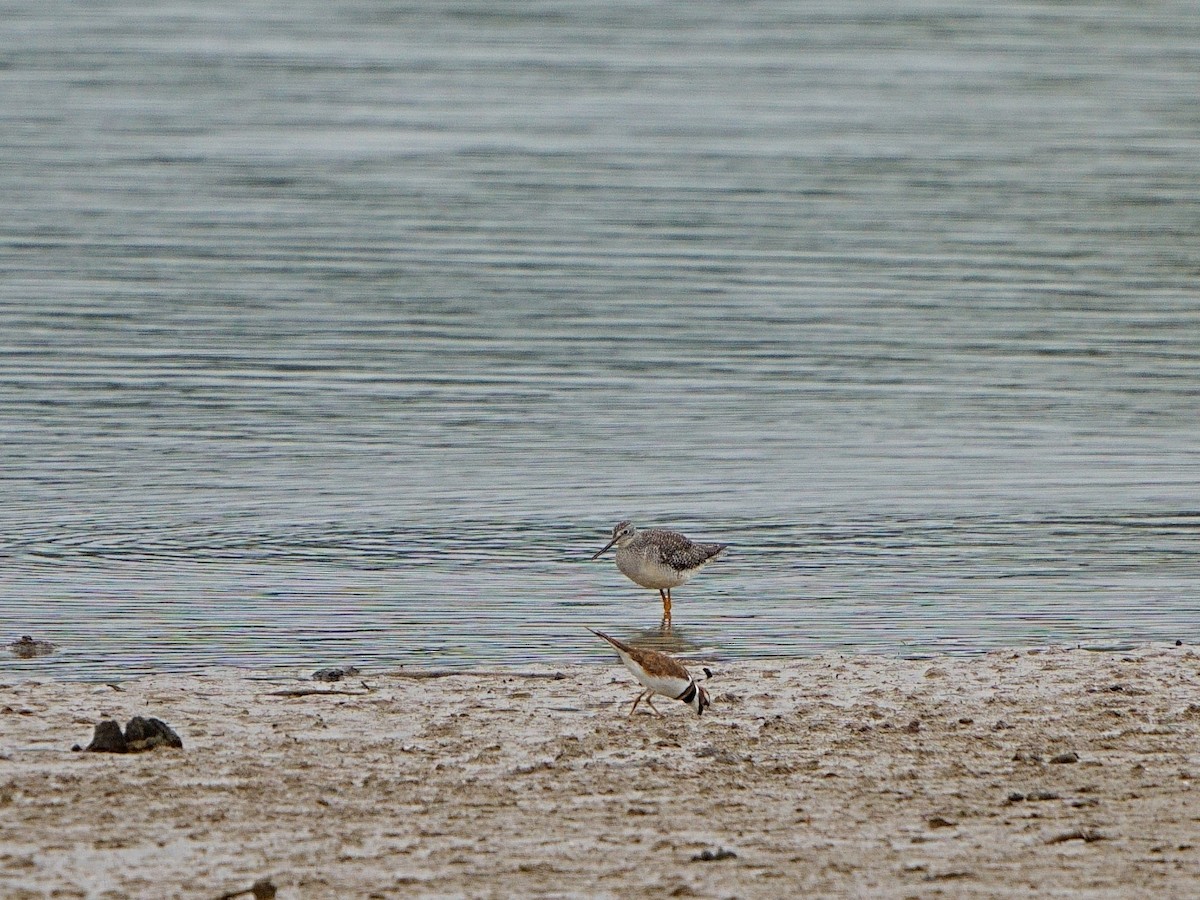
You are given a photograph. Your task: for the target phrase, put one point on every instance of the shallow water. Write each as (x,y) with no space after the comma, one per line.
(346,332)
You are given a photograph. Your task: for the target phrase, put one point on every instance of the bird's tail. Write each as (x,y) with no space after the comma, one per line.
(611,640)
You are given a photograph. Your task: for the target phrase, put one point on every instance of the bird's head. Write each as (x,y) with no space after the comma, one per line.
(622,533)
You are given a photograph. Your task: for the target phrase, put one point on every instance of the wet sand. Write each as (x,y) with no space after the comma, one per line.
(1060,772)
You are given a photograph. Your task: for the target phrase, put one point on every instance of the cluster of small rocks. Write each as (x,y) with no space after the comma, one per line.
(140,734)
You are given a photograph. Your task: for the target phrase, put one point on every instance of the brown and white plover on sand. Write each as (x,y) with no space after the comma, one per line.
(659,674)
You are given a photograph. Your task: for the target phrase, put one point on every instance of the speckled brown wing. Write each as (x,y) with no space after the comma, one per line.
(681,554)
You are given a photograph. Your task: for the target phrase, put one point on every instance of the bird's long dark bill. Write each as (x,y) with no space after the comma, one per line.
(600,553)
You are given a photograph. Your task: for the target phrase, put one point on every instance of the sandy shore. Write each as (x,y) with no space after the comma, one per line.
(1063,772)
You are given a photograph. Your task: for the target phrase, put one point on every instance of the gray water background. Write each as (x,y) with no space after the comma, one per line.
(344,331)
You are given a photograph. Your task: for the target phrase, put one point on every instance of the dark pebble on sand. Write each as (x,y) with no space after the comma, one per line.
(1070,756)
(107,738)
(1040,796)
(714,855)
(708,751)
(1087,835)
(146,734)
(263,889)
(334,674)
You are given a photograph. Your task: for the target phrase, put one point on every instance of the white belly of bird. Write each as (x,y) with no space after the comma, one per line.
(650,573)
(666,685)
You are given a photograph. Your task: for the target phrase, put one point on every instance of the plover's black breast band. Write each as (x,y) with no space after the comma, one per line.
(689,694)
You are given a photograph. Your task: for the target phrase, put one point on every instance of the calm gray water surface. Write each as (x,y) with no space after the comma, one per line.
(344,332)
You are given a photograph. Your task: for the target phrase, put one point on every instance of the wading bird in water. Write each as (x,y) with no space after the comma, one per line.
(659,559)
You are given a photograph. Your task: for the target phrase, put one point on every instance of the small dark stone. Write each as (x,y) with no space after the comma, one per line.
(939,822)
(1179,643)
(1070,756)
(107,739)
(913,727)
(714,855)
(1087,835)
(1039,796)
(949,876)
(146,734)
(708,751)
(336,674)
(263,889)
(1015,797)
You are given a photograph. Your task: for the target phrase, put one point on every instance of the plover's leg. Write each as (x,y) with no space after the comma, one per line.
(650,703)
(637,701)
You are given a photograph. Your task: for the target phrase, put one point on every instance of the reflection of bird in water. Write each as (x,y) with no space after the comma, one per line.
(659,674)
(659,559)
(669,640)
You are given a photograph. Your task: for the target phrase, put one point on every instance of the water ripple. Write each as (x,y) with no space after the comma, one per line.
(350,339)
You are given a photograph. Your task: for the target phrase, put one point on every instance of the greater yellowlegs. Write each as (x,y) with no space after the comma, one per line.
(659,559)
(659,674)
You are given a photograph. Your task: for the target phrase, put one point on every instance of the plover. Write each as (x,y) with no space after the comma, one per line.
(658,559)
(660,674)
